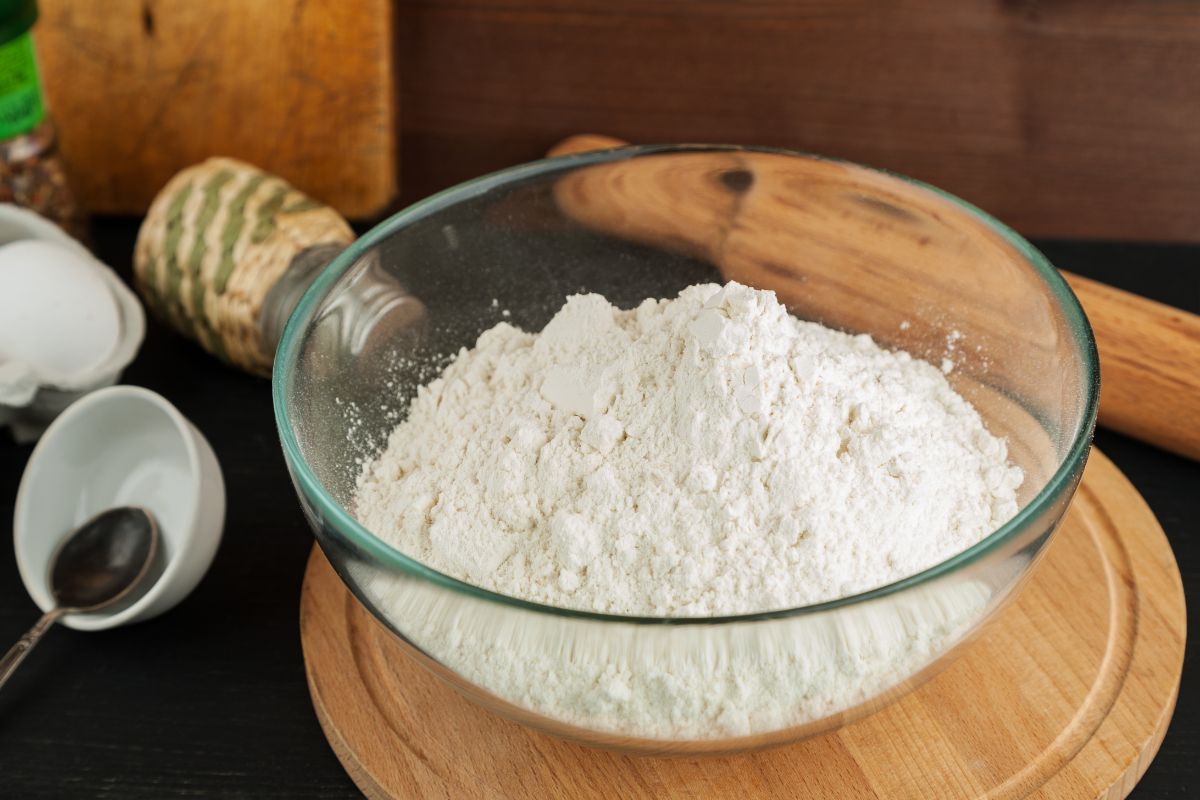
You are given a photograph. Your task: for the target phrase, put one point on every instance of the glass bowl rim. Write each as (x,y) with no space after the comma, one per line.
(347,527)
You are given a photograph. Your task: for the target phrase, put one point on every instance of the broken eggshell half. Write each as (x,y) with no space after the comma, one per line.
(33,394)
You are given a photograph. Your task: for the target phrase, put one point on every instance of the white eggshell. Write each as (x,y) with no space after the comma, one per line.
(18,383)
(57,314)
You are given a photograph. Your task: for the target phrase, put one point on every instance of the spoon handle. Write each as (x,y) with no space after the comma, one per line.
(16,654)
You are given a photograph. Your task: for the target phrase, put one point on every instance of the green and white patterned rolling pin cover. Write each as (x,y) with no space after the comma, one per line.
(216,240)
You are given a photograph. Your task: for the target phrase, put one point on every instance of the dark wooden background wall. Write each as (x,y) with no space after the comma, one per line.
(1063,117)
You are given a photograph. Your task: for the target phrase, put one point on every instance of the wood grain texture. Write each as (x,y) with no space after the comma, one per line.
(1067,695)
(1064,118)
(1150,352)
(1149,364)
(302,88)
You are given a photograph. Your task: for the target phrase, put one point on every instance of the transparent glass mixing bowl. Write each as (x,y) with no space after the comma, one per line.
(848,246)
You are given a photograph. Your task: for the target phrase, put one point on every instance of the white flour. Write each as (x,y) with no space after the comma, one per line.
(709,455)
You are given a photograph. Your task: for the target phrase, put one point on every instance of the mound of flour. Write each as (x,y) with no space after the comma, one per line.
(707,455)
(701,456)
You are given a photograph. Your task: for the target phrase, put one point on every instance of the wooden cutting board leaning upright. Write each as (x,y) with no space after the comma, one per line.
(304,89)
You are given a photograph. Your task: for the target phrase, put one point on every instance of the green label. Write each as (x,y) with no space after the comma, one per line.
(20,89)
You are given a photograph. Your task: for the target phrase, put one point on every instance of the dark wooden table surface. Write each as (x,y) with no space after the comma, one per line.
(210,700)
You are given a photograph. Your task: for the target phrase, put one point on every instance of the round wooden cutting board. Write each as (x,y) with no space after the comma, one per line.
(1067,695)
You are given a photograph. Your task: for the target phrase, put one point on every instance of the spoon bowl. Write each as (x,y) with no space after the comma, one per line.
(104,560)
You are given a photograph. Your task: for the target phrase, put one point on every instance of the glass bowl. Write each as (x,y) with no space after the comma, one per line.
(848,246)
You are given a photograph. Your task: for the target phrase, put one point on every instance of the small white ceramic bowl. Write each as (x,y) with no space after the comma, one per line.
(121,446)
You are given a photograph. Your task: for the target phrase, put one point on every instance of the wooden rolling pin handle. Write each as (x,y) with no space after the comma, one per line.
(585,143)
(1149,352)
(1149,366)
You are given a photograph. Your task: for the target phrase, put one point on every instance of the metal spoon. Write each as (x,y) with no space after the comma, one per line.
(97,565)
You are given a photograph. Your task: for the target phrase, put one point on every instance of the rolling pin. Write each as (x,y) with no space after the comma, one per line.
(1149,352)
(227,250)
